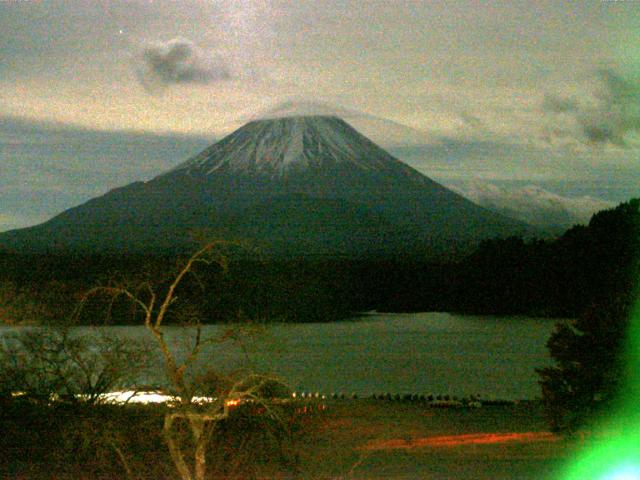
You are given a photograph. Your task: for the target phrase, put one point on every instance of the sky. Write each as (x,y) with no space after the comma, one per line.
(541,92)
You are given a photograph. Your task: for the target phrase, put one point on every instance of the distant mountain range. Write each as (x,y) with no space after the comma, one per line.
(533,204)
(291,185)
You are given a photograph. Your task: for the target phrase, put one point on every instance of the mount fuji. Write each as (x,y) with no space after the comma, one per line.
(293,186)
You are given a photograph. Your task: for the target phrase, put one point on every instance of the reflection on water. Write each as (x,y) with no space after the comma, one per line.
(399,353)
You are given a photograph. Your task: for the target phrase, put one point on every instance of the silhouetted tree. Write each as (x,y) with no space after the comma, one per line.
(588,350)
(588,365)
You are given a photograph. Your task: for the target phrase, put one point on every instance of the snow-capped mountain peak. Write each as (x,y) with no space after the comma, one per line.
(273,147)
(382,131)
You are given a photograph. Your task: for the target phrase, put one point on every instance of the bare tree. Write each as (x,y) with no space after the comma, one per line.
(201,418)
(45,363)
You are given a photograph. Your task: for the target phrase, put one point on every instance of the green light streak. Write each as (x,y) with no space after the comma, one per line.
(615,452)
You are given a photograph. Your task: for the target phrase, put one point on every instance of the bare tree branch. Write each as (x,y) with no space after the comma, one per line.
(199,419)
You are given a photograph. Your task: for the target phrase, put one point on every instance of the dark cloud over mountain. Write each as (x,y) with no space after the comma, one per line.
(608,114)
(179,60)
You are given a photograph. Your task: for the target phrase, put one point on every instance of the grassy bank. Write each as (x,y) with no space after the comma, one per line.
(376,439)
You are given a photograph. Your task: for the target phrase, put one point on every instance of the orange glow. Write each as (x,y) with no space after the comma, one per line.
(320,407)
(232,402)
(467,439)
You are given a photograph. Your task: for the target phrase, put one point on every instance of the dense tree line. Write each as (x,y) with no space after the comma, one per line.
(563,277)
(559,277)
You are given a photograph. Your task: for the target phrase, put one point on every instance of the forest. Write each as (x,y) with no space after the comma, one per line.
(512,276)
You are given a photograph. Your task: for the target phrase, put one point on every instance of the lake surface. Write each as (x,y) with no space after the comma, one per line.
(420,353)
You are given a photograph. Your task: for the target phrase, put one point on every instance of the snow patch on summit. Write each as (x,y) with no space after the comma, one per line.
(295,148)
(382,131)
(275,146)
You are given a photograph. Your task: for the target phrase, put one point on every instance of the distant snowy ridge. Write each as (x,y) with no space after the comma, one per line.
(532,204)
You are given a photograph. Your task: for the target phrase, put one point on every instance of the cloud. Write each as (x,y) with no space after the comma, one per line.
(607,113)
(385,132)
(618,113)
(178,61)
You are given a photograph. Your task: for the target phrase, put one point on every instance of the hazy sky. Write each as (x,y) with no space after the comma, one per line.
(559,77)
(436,66)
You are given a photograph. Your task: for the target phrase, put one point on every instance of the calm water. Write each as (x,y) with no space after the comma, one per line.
(397,353)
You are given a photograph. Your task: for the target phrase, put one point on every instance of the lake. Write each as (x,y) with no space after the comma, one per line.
(422,353)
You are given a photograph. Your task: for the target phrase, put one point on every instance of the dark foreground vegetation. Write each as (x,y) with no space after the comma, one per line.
(349,439)
(56,382)
(82,441)
(555,278)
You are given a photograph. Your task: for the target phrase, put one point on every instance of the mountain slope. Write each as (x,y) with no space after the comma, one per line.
(305,185)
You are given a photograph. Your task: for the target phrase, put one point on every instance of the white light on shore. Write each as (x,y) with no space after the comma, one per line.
(132,396)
